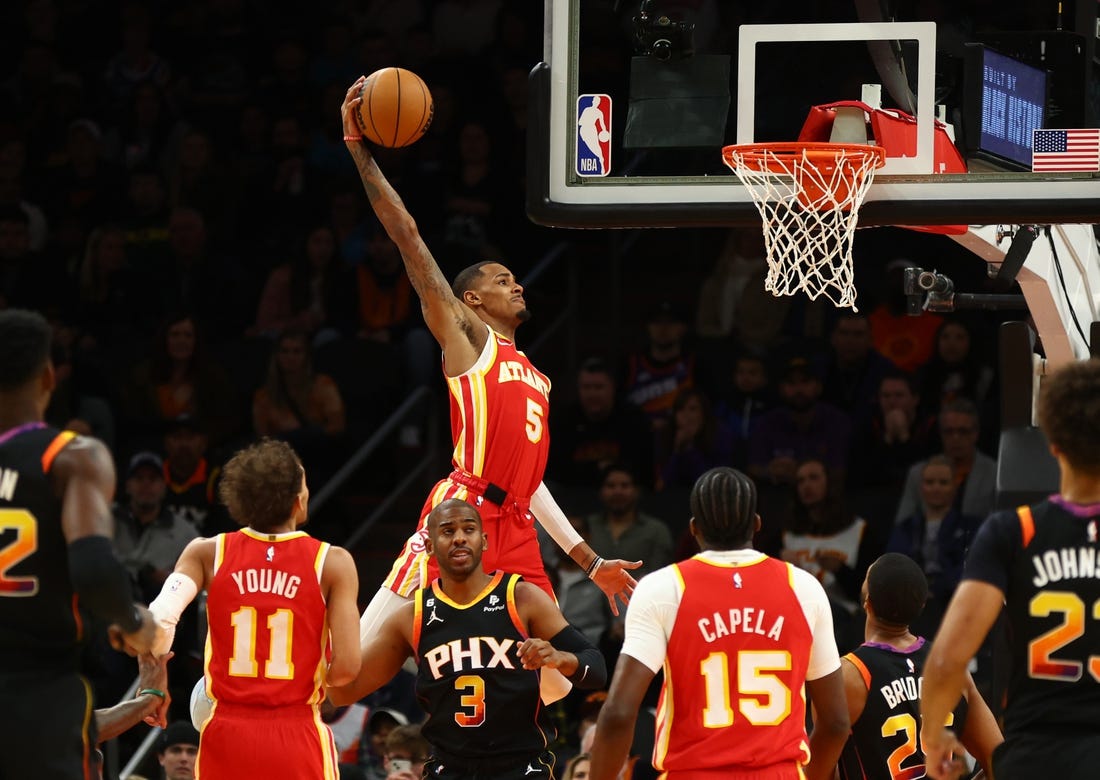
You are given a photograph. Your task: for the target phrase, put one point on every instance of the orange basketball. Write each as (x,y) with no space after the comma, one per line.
(396,108)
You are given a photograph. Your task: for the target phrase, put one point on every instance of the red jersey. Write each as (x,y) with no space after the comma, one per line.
(502,399)
(268,632)
(734,671)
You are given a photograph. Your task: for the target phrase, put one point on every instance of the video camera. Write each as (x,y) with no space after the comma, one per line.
(660,37)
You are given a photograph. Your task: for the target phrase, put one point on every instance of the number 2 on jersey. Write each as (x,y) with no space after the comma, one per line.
(25,543)
(906,724)
(1040,663)
(754,679)
(278,665)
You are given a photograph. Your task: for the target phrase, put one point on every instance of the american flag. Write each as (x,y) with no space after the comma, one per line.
(1066,150)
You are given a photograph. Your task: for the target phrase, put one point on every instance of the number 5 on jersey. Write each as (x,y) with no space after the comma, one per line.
(535,415)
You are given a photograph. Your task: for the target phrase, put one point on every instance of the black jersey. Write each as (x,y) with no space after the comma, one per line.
(1045,560)
(40,627)
(481,703)
(885,739)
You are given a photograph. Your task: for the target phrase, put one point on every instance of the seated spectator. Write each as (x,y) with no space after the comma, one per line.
(76,403)
(695,442)
(388,312)
(936,536)
(975,472)
(300,405)
(599,429)
(802,427)
(896,436)
(961,368)
(106,294)
(743,406)
(823,537)
(192,479)
(581,601)
(178,750)
(577,767)
(664,367)
(312,292)
(148,537)
(853,368)
(177,379)
(372,756)
(619,530)
(406,753)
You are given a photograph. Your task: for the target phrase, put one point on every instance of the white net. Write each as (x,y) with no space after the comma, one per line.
(808,196)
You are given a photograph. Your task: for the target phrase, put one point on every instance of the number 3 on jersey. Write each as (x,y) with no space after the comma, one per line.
(535,416)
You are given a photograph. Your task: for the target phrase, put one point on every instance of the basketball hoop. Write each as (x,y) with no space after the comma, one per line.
(808,195)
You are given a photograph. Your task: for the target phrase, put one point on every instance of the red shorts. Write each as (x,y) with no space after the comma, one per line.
(784,771)
(256,741)
(513,543)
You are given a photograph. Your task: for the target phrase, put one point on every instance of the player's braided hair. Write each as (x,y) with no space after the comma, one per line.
(723,503)
(896,588)
(1069,413)
(25,338)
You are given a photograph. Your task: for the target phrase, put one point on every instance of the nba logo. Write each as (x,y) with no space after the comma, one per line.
(593,135)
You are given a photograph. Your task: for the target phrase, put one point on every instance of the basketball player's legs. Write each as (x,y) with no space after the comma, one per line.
(256,742)
(51,731)
(410,571)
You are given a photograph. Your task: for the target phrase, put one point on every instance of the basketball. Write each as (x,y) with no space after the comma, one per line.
(396,109)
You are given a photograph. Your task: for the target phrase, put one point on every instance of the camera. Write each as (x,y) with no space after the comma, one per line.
(927,291)
(658,36)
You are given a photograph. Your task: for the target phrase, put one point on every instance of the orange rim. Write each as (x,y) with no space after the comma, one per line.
(764,157)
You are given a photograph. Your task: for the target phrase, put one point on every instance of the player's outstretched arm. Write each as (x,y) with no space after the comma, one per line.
(555,644)
(382,658)
(980,734)
(83,475)
(453,324)
(340,584)
(612,576)
(855,690)
(180,589)
(615,726)
(970,615)
(831,725)
(146,705)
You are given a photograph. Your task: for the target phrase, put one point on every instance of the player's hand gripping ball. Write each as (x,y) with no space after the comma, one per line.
(396,107)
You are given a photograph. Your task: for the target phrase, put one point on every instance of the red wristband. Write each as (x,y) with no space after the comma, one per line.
(353,138)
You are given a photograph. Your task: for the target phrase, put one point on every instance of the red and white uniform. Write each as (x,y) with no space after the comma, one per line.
(266,653)
(501,437)
(737,634)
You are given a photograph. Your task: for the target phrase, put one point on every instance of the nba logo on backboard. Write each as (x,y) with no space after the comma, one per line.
(593,135)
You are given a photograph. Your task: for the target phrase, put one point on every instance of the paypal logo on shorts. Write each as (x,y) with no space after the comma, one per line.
(593,135)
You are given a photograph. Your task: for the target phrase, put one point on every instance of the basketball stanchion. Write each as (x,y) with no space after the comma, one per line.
(808,196)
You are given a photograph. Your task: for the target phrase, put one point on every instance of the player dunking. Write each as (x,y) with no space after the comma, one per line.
(1040,563)
(482,642)
(882,682)
(737,634)
(498,409)
(277,601)
(56,564)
